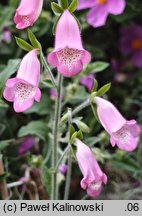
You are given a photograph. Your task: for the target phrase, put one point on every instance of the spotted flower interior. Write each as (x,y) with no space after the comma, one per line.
(69,56)
(23,92)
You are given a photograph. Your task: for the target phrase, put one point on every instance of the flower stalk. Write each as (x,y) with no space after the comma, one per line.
(55,137)
(69,165)
(47,68)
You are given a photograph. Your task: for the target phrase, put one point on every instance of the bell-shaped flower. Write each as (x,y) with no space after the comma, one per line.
(27,13)
(93,177)
(69,55)
(123,133)
(23,89)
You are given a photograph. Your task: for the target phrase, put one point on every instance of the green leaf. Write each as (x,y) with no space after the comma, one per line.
(91,141)
(33,40)
(8,72)
(23,44)
(5,143)
(96,67)
(3,104)
(37,128)
(5,15)
(40,108)
(103,90)
(2,128)
(56,8)
(13,3)
(73,6)
(64,4)
(46,179)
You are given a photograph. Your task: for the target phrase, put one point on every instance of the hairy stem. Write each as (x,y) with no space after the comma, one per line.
(69,169)
(55,137)
(83,105)
(47,68)
(80,107)
(68,177)
(62,156)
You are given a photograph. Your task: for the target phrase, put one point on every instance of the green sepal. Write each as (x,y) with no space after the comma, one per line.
(94,109)
(73,6)
(23,44)
(95,86)
(64,4)
(55,25)
(34,40)
(72,130)
(56,8)
(79,25)
(103,89)
(77,134)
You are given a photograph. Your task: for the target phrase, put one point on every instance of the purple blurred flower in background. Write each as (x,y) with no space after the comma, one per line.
(117,68)
(131,43)
(27,144)
(63,168)
(100,9)
(6,35)
(53,94)
(88,81)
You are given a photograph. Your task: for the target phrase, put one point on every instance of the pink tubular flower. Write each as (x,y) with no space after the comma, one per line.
(68,55)
(100,9)
(125,134)
(23,89)
(27,13)
(93,177)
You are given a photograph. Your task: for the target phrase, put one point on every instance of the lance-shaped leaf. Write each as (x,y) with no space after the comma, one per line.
(34,40)
(103,89)
(56,8)
(64,4)
(73,6)
(23,44)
